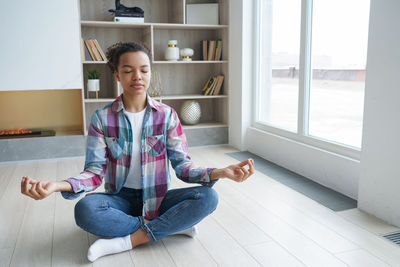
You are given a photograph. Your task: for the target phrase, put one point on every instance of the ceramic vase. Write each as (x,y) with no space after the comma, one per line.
(172,51)
(190,112)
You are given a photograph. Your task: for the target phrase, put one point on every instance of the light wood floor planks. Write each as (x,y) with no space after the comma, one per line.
(257,223)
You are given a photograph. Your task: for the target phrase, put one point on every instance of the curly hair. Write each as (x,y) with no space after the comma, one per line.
(115,51)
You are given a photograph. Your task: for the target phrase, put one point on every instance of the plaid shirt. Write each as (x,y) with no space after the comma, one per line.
(109,149)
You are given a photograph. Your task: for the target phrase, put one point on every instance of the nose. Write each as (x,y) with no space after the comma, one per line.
(136,75)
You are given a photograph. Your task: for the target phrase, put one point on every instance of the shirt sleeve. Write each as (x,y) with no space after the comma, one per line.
(178,155)
(95,163)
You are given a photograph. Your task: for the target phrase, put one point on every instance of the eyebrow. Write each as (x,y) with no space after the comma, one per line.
(129,66)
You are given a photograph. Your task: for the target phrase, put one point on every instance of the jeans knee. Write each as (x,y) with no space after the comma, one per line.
(83,211)
(210,197)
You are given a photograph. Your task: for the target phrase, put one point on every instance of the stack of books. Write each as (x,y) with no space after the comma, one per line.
(130,17)
(212,49)
(213,85)
(94,49)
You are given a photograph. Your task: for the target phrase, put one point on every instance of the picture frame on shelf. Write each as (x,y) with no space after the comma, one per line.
(206,14)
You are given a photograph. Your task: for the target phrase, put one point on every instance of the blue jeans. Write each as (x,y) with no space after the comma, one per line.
(120,214)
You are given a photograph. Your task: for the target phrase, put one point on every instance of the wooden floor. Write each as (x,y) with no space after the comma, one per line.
(258,222)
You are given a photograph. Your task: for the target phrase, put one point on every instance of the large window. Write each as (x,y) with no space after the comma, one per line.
(311,68)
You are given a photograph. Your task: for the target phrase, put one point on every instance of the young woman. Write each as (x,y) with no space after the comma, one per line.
(129,143)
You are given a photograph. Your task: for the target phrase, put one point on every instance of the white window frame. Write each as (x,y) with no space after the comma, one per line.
(304,88)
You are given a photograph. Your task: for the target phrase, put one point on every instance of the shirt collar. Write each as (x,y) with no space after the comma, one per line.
(118,104)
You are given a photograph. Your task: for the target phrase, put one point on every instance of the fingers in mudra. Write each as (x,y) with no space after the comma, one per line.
(241,173)
(41,188)
(29,187)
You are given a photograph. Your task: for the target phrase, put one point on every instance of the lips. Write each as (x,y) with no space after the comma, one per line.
(137,85)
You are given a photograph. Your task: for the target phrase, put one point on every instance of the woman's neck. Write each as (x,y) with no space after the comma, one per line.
(134,103)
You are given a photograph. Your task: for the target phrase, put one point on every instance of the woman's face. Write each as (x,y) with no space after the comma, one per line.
(134,72)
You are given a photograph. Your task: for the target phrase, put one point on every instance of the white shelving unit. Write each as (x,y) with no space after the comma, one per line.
(164,20)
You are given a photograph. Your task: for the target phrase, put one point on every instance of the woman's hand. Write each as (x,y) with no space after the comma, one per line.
(41,189)
(235,172)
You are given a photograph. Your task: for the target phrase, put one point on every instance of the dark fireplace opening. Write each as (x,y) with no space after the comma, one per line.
(22,133)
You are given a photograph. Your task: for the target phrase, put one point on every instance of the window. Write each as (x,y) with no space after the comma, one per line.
(280,47)
(311,68)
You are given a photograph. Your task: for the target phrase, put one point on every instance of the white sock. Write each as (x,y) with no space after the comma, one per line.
(102,247)
(192,231)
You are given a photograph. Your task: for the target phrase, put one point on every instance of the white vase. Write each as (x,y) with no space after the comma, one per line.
(186,53)
(172,51)
(93,85)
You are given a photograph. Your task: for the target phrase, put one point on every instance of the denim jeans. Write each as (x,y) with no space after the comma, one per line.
(120,214)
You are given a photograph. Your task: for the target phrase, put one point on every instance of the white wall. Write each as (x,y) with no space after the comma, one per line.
(240,68)
(40,45)
(380,176)
(327,168)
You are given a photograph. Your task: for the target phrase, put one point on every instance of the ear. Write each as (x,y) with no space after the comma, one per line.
(116,76)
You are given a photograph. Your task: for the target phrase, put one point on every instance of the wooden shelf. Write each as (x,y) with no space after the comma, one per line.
(204,125)
(173,26)
(99,100)
(190,62)
(199,96)
(168,62)
(112,24)
(165,97)
(166,26)
(94,62)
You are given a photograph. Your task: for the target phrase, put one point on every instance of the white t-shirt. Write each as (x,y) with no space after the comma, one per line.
(134,179)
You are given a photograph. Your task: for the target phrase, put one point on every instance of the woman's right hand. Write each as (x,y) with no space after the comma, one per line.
(37,189)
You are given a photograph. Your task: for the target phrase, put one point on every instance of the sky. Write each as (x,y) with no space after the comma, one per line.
(340,29)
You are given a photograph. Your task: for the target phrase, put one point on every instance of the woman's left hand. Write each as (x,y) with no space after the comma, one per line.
(235,172)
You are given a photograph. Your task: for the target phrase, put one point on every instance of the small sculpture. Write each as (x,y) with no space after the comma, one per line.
(121,9)
(155,89)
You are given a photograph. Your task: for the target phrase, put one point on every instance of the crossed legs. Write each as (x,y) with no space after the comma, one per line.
(119,216)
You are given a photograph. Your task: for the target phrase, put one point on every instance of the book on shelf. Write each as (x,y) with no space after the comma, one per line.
(208,83)
(94,49)
(218,52)
(89,48)
(219,85)
(204,47)
(213,85)
(83,50)
(119,13)
(99,49)
(129,19)
(212,49)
